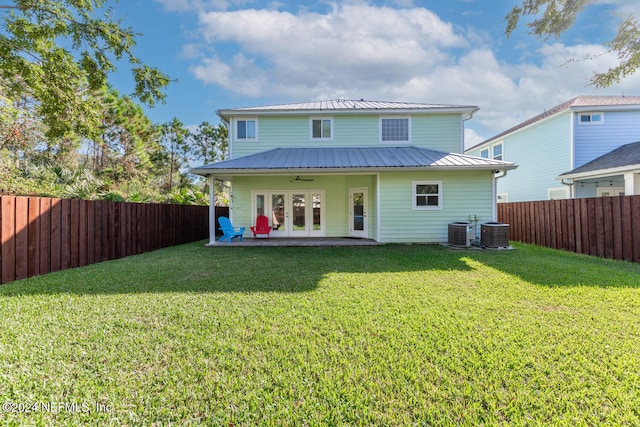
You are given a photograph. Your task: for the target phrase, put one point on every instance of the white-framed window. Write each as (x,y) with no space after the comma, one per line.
(427,195)
(484,153)
(496,151)
(321,128)
(246,129)
(395,129)
(558,193)
(591,118)
(609,191)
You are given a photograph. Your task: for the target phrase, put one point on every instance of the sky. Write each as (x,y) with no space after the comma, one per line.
(239,53)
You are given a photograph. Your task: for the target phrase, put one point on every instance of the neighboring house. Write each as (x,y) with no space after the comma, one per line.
(551,147)
(387,171)
(615,173)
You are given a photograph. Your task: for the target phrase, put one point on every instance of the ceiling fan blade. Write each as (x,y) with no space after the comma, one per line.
(299,178)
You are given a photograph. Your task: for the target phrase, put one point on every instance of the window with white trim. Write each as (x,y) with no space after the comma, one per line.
(395,129)
(246,129)
(322,128)
(427,195)
(484,153)
(497,151)
(558,193)
(590,118)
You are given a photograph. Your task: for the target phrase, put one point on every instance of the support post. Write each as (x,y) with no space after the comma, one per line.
(212,210)
(631,184)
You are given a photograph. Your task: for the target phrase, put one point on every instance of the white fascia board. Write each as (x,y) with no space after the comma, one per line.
(601,173)
(227,114)
(344,171)
(603,108)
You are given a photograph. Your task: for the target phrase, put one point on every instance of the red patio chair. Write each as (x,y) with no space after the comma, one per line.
(261,227)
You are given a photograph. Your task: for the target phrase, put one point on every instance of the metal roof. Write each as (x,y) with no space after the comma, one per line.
(332,159)
(339,106)
(622,157)
(581,102)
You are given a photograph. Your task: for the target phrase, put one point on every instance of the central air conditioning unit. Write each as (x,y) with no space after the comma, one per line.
(494,235)
(461,234)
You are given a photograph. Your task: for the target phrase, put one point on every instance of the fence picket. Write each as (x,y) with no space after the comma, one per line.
(41,235)
(605,227)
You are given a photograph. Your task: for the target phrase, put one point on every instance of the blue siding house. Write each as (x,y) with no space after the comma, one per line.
(551,147)
(385,171)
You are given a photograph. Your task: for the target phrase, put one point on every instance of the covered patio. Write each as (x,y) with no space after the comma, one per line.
(311,241)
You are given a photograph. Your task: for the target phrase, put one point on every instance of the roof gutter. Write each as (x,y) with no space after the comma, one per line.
(599,173)
(333,171)
(225,114)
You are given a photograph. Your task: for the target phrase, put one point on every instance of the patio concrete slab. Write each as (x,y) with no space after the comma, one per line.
(311,241)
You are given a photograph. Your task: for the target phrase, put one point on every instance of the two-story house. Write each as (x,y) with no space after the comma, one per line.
(387,171)
(571,151)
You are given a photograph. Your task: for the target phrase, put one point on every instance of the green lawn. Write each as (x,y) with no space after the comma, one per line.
(395,335)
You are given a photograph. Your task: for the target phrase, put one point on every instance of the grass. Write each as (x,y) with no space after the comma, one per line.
(395,335)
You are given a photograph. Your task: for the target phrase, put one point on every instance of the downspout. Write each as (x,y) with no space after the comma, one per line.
(464,119)
(377,239)
(496,176)
(569,182)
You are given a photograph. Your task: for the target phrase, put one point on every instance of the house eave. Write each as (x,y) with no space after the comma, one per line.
(599,173)
(226,115)
(341,171)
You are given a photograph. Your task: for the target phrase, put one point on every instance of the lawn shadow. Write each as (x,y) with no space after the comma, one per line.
(195,268)
(557,268)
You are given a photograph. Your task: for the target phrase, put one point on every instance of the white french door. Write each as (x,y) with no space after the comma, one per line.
(358,205)
(291,213)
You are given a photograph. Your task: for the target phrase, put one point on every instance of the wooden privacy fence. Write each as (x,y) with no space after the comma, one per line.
(607,227)
(41,235)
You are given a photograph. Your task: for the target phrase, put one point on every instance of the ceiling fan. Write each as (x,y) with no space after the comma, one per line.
(299,178)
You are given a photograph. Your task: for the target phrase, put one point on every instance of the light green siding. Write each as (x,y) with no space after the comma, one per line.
(464,193)
(542,152)
(442,132)
(336,190)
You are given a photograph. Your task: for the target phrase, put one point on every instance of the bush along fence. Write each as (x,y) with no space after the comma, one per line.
(607,227)
(42,235)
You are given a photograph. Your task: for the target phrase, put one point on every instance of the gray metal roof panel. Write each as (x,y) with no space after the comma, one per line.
(346,104)
(336,159)
(626,155)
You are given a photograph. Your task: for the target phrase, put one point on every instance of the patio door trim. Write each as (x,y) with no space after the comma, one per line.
(288,213)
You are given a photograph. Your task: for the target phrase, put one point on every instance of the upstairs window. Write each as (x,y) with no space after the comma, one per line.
(322,128)
(246,129)
(427,195)
(394,129)
(497,152)
(591,118)
(484,153)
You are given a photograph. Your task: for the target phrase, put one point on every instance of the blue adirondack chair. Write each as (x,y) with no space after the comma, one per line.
(229,231)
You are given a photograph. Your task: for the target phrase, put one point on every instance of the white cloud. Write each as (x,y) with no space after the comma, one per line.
(471,138)
(352,46)
(362,51)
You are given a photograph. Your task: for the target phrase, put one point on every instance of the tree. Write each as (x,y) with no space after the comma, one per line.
(209,143)
(559,15)
(174,138)
(126,139)
(60,52)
